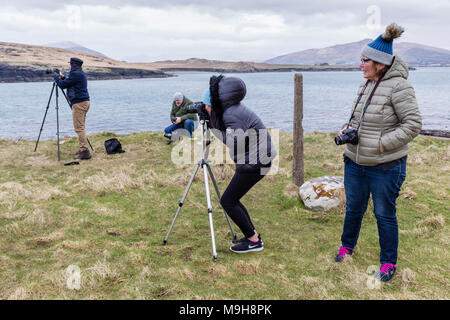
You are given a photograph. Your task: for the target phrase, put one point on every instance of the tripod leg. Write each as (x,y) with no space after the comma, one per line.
(89,143)
(180,204)
(208,199)
(45,116)
(219,196)
(57,123)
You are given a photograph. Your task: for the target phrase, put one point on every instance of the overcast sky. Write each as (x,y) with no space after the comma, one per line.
(231,30)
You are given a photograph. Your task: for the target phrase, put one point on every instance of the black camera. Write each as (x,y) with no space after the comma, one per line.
(50,71)
(199,108)
(347,136)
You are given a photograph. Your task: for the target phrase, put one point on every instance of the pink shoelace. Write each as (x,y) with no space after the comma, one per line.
(343,251)
(385,267)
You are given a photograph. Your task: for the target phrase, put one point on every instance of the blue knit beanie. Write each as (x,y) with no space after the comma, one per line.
(207,97)
(380,49)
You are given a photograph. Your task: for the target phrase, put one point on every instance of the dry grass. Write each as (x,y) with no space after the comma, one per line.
(108,216)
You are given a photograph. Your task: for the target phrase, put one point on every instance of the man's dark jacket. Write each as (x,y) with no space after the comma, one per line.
(76,85)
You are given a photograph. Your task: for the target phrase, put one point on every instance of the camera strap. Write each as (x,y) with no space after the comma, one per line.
(357,101)
(368,101)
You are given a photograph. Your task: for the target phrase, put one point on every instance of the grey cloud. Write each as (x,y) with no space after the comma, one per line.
(293,11)
(288,7)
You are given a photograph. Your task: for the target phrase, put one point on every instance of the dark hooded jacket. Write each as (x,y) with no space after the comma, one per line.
(75,83)
(250,145)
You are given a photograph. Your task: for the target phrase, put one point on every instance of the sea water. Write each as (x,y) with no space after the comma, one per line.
(126,106)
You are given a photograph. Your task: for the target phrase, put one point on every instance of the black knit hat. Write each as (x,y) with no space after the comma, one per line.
(76,62)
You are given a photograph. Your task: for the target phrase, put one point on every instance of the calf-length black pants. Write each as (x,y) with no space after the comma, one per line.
(239,185)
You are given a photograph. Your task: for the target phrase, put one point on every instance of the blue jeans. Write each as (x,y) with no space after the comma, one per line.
(361,181)
(187,124)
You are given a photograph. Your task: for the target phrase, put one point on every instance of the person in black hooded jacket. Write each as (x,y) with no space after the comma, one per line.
(77,92)
(250,147)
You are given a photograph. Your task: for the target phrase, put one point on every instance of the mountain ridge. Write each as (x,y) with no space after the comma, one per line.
(73,46)
(414,54)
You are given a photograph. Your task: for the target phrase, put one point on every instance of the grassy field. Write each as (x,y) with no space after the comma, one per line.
(109,215)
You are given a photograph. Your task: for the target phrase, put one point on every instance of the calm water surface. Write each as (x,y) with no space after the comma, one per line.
(125,106)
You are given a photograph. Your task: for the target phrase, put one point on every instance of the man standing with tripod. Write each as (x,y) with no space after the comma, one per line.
(77,92)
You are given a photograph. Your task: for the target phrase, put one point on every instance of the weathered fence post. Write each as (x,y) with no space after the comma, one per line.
(298,174)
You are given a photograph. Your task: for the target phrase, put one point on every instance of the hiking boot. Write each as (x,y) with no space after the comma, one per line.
(248,246)
(77,153)
(343,251)
(386,272)
(168,135)
(83,155)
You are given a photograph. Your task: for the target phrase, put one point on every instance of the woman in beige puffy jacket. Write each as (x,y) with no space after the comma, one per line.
(385,118)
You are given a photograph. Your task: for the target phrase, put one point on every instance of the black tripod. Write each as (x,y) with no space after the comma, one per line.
(57,116)
(204,163)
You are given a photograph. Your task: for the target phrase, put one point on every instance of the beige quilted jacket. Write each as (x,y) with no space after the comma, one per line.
(392,118)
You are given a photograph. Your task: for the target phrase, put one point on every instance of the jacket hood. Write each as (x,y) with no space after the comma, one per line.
(232,90)
(398,69)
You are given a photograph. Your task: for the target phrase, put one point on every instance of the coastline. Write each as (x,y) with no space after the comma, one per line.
(440,134)
(260,70)
(20,74)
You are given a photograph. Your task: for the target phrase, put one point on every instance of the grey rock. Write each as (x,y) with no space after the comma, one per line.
(323,193)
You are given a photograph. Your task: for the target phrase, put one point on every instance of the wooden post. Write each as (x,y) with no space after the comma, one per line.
(298,174)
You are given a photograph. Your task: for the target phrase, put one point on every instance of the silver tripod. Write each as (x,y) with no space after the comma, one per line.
(204,163)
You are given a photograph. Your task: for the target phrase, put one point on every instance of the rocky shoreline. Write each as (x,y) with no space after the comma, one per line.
(10,74)
(436,133)
(255,70)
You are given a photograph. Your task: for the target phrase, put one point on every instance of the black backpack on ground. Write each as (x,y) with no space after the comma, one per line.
(113,146)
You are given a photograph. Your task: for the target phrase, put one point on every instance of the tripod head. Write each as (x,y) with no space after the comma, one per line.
(204,122)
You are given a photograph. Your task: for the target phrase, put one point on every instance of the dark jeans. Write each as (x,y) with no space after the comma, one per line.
(239,185)
(384,185)
(187,124)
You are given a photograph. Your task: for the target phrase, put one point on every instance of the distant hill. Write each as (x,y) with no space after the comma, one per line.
(349,54)
(69,45)
(21,62)
(197,64)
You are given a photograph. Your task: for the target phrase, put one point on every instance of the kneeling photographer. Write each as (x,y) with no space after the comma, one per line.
(77,92)
(180,116)
(250,148)
(385,118)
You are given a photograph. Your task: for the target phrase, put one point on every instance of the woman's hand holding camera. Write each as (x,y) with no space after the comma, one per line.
(344,128)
